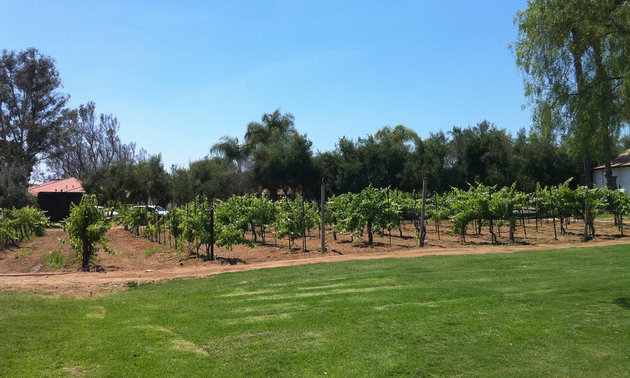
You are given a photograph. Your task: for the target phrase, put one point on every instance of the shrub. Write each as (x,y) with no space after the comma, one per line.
(55,260)
(86,227)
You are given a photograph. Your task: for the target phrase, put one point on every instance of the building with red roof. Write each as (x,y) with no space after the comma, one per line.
(55,197)
(68,185)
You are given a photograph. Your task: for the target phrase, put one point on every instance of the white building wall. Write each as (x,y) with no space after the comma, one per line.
(622,173)
(623,177)
(599,178)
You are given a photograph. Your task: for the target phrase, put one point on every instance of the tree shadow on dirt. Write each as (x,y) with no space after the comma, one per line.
(231,261)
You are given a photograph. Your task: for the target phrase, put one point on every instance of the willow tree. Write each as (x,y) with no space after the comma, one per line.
(574,57)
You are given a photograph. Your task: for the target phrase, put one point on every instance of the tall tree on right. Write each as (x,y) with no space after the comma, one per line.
(575,58)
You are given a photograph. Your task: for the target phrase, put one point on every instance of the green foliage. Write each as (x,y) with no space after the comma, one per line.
(175,222)
(574,57)
(505,204)
(86,227)
(257,212)
(152,251)
(17,225)
(23,253)
(54,260)
(197,227)
(132,218)
(618,204)
(295,217)
(438,209)
(32,115)
(461,211)
(373,210)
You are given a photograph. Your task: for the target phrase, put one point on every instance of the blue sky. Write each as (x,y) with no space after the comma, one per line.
(180,75)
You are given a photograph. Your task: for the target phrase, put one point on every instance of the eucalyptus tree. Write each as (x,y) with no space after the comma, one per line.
(382,159)
(574,55)
(31,111)
(88,142)
(343,168)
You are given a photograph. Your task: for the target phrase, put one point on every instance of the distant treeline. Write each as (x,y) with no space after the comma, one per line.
(275,159)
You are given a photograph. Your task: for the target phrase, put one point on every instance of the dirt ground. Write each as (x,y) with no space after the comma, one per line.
(23,267)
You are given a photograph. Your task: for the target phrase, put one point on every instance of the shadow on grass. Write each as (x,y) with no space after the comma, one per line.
(623,302)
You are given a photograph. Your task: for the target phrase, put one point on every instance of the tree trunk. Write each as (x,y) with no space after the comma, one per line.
(588,172)
(610,184)
(253,231)
(586,218)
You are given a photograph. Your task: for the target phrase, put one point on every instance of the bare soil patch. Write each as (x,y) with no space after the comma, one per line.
(23,267)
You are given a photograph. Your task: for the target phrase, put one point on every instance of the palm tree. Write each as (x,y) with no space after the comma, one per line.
(230,149)
(274,127)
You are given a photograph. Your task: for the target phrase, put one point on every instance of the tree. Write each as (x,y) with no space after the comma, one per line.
(213,178)
(386,158)
(343,169)
(286,164)
(229,148)
(538,158)
(386,153)
(281,158)
(574,57)
(114,183)
(13,185)
(31,110)
(237,155)
(155,181)
(481,154)
(274,127)
(438,161)
(87,144)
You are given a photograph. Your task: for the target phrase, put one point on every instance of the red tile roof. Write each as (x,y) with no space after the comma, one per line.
(67,185)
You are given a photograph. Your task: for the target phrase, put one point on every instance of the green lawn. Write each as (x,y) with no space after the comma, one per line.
(559,313)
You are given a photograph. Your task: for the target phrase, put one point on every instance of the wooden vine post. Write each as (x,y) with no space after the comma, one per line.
(424,200)
(586,216)
(323,214)
(211,257)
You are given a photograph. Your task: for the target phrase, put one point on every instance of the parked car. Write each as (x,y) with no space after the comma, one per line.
(154,209)
(110,213)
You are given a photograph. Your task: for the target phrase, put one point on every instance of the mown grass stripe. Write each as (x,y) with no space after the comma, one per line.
(533,313)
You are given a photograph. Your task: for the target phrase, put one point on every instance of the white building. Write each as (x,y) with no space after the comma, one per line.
(621,172)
